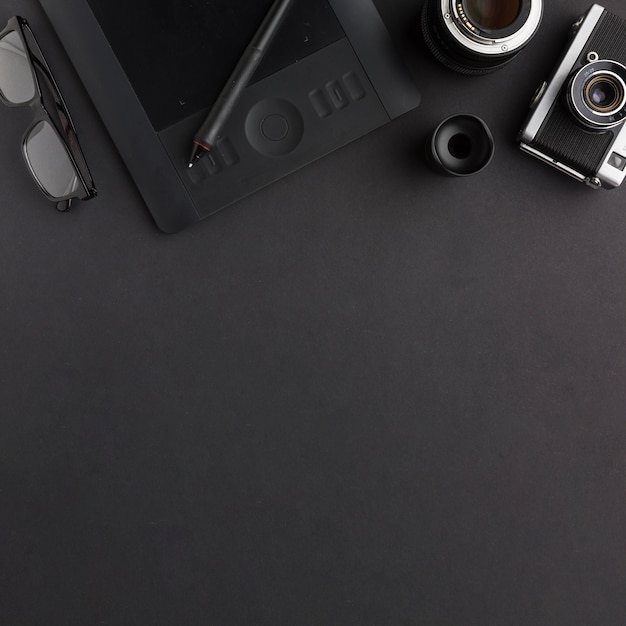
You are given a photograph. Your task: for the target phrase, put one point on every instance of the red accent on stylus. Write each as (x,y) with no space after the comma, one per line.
(202,145)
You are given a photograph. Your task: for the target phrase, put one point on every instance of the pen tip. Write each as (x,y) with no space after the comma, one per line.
(198,152)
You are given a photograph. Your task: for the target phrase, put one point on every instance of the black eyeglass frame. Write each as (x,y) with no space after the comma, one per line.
(68,138)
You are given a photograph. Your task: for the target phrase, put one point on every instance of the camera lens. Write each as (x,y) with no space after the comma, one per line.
(597,94)
(603,94)
(476,37)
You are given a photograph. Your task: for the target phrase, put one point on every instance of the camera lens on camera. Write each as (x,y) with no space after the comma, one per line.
(597,94)
(478,36)
(603,94)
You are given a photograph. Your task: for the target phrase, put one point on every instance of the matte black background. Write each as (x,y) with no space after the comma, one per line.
(367,395)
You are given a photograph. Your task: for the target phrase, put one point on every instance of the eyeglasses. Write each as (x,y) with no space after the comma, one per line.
(50,146)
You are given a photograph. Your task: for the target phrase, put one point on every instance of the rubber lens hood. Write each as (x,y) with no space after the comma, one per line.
(460,146)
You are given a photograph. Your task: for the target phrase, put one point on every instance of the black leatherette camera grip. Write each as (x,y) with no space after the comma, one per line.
(609,38)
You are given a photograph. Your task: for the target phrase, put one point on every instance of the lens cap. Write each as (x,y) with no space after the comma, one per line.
(461,145)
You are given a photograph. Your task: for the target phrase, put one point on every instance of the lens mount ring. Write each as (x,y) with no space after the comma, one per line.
(468,34)
(443,53)
(587,82)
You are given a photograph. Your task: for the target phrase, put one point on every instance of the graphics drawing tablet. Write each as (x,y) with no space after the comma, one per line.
(153,69)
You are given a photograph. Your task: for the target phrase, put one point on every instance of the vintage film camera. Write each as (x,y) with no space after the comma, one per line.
(577,117)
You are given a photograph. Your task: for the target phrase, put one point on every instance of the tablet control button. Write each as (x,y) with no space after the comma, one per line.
(274,127)
(354,86)
(227,151)
(320,103)
(337,95)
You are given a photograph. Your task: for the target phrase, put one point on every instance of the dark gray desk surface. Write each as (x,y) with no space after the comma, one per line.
(368,395)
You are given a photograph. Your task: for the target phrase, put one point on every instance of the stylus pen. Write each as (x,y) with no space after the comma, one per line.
(207,134)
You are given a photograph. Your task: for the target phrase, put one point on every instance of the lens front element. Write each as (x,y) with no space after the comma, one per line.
(604,94)
(17,84)
(49,162)
(492,14)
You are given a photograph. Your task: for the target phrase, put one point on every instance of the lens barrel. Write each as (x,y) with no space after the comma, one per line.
(597,94)
(475,37)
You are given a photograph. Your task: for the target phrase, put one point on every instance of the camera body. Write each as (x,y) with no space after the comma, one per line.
(577,119)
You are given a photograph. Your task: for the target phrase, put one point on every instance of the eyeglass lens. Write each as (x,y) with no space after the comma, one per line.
(49,162)
(16,79)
